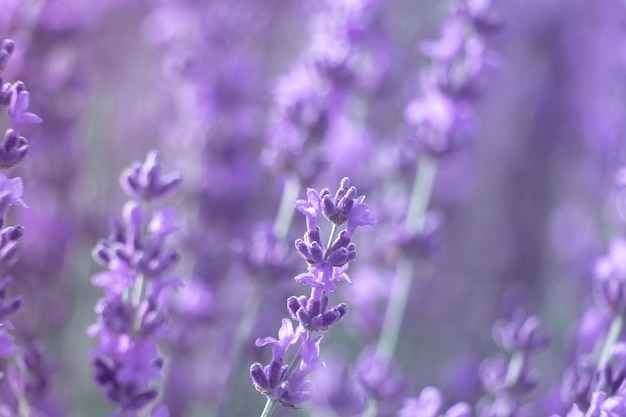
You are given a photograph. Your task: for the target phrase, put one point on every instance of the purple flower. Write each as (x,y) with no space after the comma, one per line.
(7,344)
(13,149)
(297,389)
(335,387)
(11,190)
(282,383)
(127,361)
(139,362)
(426,405)
(508,377)
(17,109)
(520,334)
(286,337)
(429,403)
(380,377)
(146,182)
(610,277)
(310,208)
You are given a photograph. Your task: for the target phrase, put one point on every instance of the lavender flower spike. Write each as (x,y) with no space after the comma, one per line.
(284,384)
(127,363)
(25,384)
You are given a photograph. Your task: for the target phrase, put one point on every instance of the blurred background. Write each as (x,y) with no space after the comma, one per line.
(520,211)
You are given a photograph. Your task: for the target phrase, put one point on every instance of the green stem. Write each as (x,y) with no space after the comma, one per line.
(396,307)
(420,195)
(295,362)
(333,232)
(285,213)
(414,223)
(270,405)
(515,369)
(135,297)
(372,408)
(242,335)
(611,337)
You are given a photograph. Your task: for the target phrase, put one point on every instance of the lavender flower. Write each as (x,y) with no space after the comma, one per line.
(311,97)
(26,374)
(443,115)
(287,384)
(601,406)
(127,362)
(507,379)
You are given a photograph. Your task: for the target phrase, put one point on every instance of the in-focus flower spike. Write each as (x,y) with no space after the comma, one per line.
(287,385)
(127,363)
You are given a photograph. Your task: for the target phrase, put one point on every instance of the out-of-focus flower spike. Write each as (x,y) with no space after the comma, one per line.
(127,363)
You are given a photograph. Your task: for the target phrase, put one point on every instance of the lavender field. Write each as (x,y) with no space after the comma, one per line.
(331,208)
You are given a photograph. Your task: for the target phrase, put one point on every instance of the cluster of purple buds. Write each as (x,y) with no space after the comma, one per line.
(442,115)
(508,377)
(127,361)
(326,264)
(14,148)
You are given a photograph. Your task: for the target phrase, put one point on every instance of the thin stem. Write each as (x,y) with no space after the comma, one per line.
(241,336)
(270,405)
(420,195)
(372,408)
(285,213)
(135,298)
(611,337)
(516,365)
(396,307)
(295,362)
(333,232)
(138,290)
(414,223)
